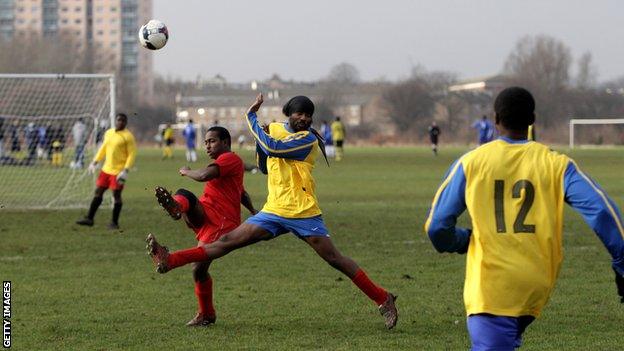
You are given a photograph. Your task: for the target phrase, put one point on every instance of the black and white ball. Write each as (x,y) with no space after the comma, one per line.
(153,35)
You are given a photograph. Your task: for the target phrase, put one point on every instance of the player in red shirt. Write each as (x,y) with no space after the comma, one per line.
(215,213)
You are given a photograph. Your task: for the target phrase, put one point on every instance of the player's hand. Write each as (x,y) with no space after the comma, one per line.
(253,212)
(619,282)
(92,167)
(256,105)
(121,176)
(183,171)
(265,127)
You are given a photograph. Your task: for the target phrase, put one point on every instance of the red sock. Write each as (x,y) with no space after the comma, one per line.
(203,291)
(374,292)
(182,202)
(182,257)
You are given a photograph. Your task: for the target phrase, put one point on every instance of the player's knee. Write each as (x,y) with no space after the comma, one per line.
(192,199)
(200,271)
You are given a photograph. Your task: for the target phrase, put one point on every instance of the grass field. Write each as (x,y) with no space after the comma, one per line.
(81,288)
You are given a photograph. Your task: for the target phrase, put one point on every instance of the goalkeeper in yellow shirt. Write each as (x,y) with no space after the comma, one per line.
(288,151)
(514,190)
(119,151)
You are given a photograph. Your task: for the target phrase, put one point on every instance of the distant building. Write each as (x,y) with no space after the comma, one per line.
(109,26)
(226,103)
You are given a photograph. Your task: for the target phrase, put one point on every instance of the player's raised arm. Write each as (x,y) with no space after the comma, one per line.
(448,204)
(598,210)
(297,146)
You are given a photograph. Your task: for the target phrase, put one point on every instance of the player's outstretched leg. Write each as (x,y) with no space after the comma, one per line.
(158,253)
(243,235)
(325,248)
(168,202)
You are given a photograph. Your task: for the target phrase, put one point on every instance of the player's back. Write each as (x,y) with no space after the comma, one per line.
(514,193)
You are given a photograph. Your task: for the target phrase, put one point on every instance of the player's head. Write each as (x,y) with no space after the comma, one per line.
(338,118)
(121,121)
(515,109)
(217,141)
(299,111)
(190,121)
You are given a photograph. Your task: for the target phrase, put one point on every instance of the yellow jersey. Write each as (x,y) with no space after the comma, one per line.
(168,133)
(338,130)
(291,159)
(119,149)
(514,192)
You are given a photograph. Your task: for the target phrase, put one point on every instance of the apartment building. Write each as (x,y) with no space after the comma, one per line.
(108,26)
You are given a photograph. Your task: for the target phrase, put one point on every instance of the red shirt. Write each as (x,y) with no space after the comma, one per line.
(223,193)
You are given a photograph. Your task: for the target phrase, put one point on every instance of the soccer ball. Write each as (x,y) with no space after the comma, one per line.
(153,35)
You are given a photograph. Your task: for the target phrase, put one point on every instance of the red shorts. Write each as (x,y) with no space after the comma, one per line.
(108,181)
(215,225)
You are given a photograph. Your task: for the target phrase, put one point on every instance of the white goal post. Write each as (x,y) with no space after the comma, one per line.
(49,127)
(595,121)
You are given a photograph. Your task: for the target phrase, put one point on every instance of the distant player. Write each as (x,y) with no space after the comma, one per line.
(326,133)
(190,136)
(289,151)
(514,190)
(214,214)
(531,133)
(485,130)
(434,133)
(119,149)
(338,133)
(168,140)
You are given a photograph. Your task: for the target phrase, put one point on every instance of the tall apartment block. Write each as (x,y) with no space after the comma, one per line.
(108,26)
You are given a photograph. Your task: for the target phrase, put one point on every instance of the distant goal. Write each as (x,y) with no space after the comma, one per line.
(599,136)
(49,125)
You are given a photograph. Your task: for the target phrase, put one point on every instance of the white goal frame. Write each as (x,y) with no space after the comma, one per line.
(575,121)
(111,82)
(81,174)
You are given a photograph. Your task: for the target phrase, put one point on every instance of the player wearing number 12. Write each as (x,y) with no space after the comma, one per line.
(514,190)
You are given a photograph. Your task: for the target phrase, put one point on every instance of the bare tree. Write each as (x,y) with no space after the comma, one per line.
(542,64)
(409,103)
(344,73)
(587,73)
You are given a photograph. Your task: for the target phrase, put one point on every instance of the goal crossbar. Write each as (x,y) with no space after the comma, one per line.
(575,121)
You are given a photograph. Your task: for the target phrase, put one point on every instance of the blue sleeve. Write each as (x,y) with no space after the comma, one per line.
(296,147)
(448,204)
(598,210)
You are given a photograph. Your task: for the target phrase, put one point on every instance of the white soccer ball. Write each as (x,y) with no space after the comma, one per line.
(153,35)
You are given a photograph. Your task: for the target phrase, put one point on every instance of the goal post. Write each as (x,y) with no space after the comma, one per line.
(49,128)
(590,121)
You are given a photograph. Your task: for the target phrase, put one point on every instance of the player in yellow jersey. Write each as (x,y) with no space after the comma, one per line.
(168,140)
(338,134)
(514,190)
(119,151)
(288,151)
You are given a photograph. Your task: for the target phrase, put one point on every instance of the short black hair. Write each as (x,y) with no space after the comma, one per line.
(299,103)
(122,115)
(223,133)
(515,108)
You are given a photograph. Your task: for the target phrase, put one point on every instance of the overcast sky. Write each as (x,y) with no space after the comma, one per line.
(302,40)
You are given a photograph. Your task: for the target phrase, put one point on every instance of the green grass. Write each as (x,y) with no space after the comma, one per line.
(81,288)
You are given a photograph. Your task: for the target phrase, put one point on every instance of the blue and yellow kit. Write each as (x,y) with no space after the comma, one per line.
(514,191)
(119,148)
(290,161)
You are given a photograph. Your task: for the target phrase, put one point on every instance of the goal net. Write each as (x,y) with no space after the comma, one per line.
(596,131)
(49,127)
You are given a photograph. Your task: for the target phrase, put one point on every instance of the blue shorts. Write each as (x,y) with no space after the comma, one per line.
(301,227)
(490,332)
